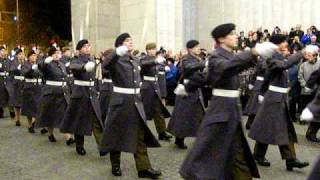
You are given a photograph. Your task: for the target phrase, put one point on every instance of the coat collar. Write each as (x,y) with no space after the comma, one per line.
(222,52)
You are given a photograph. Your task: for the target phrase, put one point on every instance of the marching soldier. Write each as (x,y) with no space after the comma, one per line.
(83,114)
(276,128)
(54,95)
(66,60)
(151,93)
(15,99)
(125,127)
(162,79)
(31,89)
(189,110)
(221,150)
(3,76)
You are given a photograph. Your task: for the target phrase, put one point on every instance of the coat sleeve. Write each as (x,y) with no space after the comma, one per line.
(229,68)
(76,67)
(276,65)
(314,79)
(147,62)
(13,69)
(300,76)
(109,60)
(26,70)
(192,66)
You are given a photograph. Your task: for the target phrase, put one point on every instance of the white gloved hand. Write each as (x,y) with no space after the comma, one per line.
(19,67)
(122,50)
(67,64)
(180,90)
(307,90)
(89,66)
(260,98)
(35,67)
(266,49)
(250,86)
(167,68)
(48,60)
(306,115)
(160,60)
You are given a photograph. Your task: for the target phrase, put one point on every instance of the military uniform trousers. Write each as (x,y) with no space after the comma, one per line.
(141,156)
(159,121)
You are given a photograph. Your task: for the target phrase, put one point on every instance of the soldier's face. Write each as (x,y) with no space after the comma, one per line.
(20,56)
(152,52)
(67,53)
(129,43)
(231,40)
(33,58)
(56,56)
(283,46)
(2,53)
(196,50)
(86,49)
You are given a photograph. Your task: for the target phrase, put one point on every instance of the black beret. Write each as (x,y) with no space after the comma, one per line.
(121,38)
(192,43)
(278,38)
(222,30)
(18,50)
(31,53)
(81,43)
(2,47)
(52,50)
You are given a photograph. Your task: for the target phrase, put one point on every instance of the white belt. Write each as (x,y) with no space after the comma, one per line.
(186,81)
(226,93)
(278,89)
(126,90)
(19,78)
(55,83)
(149,78)
(161,72)
(4,74)
(106,80)
(84,83)
(33,80)
(259,78)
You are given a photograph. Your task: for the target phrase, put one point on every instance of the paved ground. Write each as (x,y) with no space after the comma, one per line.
(24,156)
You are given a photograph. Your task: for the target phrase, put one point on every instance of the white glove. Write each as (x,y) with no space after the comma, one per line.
(122,50)
(167,68)
(160,60)
(67,64)
(89,67)
(48,60)
(307,90)
(35,67)
(250,86)
(260,98)
(266,49)
(19,67)
(180,90)
(313,49)
(306,115)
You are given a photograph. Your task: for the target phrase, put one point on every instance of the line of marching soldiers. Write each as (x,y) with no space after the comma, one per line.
(69,95)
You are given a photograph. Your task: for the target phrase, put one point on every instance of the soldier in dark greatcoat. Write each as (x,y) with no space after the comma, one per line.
(83,114)
(273,124)
(4,96)
(188,110)
(150,91)
(125,127)
(54,94)
(221,150)
(66,60)
(15,98)
(253,102)
(31,90)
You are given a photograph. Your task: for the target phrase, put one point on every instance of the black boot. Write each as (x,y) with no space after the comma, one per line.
(164,136)
(116,171)
(31,129)
(12,115)
(295,163)
(70,141)
(149,173)
(313,139)
(180,143)
(262,161)
(81,151)
(52,138)
(44,131)
(18,123)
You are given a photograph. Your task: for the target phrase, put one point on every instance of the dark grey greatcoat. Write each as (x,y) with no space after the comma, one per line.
(189,110)
(31,90)
(4,96)
(253,102)
(105,89)
(16,99)
(53,100)
(213,151)
(272,124)
(162,80)
(126,114)
(150,91)
(84,100)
